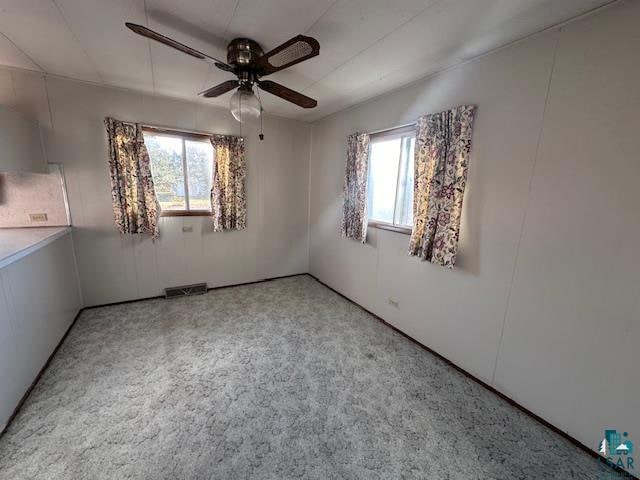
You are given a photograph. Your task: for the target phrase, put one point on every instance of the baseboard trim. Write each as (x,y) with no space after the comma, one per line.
(221,287)
(623,473)
(270,279)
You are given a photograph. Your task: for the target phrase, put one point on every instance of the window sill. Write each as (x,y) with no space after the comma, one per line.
(391,228)
(184,213)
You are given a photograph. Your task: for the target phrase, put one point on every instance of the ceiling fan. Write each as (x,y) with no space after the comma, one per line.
(246,59)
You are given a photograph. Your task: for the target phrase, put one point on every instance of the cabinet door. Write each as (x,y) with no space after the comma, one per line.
(42,295)
(10,392)
(20,145)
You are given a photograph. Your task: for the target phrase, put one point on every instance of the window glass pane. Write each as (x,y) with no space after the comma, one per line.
(383,174)
(404,201)
(165,153)
(199,173)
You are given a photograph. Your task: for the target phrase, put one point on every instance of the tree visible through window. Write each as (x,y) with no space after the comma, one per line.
(390,184)
(182,170)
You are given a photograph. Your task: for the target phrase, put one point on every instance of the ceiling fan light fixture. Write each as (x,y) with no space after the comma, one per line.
(244,104)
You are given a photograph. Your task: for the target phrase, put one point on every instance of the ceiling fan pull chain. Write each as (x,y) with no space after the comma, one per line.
(261,134)
(240,113)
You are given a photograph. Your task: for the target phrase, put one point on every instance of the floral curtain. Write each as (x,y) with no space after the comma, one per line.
(354,206)
(228,196)
(443,142)
(135,207)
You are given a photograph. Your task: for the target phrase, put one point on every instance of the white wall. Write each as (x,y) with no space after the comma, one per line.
(20,143)
(544,303)
(115,267)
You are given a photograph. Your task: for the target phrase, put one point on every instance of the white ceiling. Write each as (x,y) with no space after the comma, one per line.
(368,47)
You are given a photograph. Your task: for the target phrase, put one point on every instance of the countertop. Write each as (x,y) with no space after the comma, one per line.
(16,243)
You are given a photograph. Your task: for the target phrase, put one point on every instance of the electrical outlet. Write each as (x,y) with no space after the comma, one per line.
(394,303)
(38,217)
(187,228)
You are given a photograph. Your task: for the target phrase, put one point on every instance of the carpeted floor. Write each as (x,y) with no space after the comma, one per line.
(276,380)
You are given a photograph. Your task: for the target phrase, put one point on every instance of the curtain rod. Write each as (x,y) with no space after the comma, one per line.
(175,130)
(178,131)
(381,130)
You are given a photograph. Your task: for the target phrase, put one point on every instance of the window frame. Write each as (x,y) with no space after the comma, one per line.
(183,135)
(391,133)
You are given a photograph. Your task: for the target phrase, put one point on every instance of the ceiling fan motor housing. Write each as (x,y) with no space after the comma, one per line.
(243,53)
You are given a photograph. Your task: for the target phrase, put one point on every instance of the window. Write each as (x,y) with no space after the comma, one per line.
(182,169)
(390,187)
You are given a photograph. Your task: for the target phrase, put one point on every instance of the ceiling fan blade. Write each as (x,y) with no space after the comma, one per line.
(296,50)
(158,37)
(218,90)
(288,94)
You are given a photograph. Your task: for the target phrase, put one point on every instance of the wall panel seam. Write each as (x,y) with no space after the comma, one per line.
(309,157)
(526,206)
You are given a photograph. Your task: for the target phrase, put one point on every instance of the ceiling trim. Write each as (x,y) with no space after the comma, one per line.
(153,76)
(75,37)
(315,22)
(27,56)
(226,29)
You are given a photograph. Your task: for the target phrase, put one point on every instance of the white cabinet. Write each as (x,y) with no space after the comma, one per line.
(20,143)
(39,298)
